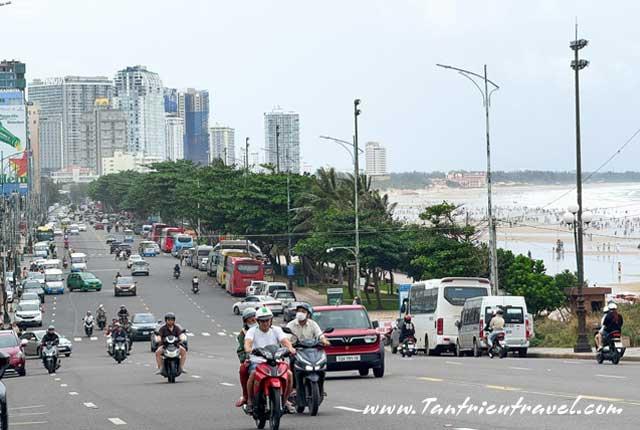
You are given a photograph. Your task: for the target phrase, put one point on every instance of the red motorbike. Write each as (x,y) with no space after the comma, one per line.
(270,386)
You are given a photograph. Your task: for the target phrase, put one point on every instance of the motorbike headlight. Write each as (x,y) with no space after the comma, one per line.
(303,361)
(371,339)
(308,368)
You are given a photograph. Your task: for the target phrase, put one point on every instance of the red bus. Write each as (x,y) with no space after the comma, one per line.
(156,230)
(167,237)
(240,272)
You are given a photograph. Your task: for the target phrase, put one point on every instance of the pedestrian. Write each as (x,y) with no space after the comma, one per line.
(182,259)
(356,301)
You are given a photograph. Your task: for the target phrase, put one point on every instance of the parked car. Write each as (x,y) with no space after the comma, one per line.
(258,301)
(13,347)
(143,325)
(4,410)
(125,285)
(355,344)
(31,285)
(140,268)
(28,314)
(132,259)
(30,296)
(286,297)
(34,338)
(84,281)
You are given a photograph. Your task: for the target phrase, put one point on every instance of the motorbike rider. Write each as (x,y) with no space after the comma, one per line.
(611,322)
(111,327)
(170,328)
(50,336)
(176,269)
(495,325)
(195,281)
(123,314)
(100,313)
(407,329)
(259,337)
(248,321)
(64,262)
(88,318)
(303,327)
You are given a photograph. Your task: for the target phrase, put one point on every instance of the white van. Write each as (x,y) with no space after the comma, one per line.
(435,306)
(475,314)
(41,249)
(53,281)
(52,264)
(78,261)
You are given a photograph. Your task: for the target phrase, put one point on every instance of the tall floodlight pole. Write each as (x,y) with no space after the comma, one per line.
(486,100)
(582,344)
(356,178)
(277,148)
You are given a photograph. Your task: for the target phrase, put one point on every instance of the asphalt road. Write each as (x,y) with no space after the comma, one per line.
(91,391)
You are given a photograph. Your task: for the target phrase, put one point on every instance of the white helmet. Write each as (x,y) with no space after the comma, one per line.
(264,313)
(612,306)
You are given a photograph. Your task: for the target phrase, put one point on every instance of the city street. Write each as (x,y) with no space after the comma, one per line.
(91,391)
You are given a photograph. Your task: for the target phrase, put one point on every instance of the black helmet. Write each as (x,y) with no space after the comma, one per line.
(170,316)
(122,307)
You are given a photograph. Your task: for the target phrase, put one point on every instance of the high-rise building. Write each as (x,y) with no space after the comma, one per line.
(103,132)
(376,158)
(12,75)
(193,107)
(68,98)
(33,129)
(140,94)
(282,140)
(174,136)
(51,153)
(223,144)
(170,96)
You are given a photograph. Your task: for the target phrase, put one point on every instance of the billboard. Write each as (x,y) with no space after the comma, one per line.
(13,141)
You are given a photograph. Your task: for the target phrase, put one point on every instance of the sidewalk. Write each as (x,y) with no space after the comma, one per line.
(631,354)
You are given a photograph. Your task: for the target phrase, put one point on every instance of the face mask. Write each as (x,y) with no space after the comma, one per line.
(253,325)
(301,316)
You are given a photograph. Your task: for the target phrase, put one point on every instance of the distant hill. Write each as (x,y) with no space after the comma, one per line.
(417,180)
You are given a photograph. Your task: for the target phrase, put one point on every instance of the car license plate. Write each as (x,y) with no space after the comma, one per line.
(618,344)
(343,358)
(146,332)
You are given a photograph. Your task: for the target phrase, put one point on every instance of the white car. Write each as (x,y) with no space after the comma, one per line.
(82,227)
(132,259)
(258,301)
(58,232)
(255,285)
(28,314)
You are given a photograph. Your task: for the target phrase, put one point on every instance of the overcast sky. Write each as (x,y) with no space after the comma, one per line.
(315,57)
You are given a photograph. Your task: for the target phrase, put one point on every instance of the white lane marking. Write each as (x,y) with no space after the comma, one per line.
(93,338)
(56,379)
(28,414)
(344,408)
(147,365)
(53,314)
(227,384)
(77,339)
(117,421)
(454,362)
(209,356)
(29,423)
(221,333)
(218,325)
(63,385)
(208,316)
(236,333)
(195,376)
(73,393)
(53,321)
(190,334)
(612,376)
(230,335)
(572,362)
(204,333)
(521,368)
(90,405)
(28,407)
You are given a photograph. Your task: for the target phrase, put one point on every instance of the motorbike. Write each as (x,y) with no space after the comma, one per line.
(612,349)
(408,347)
(171,359)
(499,346)
(270,384)
(65,264)
(309,369)
(88,326)
(102,321)
(176,274)
(50,357)
(119,349)
(66,244)
(195,287)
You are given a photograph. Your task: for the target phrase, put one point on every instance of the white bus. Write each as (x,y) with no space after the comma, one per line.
(435,306)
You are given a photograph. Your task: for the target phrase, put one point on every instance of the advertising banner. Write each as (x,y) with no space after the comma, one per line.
(13,141)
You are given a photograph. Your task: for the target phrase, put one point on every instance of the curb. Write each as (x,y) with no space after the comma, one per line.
(570,356)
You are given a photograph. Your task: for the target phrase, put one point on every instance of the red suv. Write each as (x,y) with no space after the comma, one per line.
(13,347)
(355,343)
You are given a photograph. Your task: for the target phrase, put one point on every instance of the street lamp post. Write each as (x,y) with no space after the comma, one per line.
(246,154)
(486,99)
(582,344)
(356,178)
(277,148)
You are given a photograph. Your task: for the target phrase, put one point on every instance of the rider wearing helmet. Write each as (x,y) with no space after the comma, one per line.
(123,314)
(303,327)
(407,329)
(495,325)
(259,337)
(50,336)
(612,321)
(88,318)
(170,328)
(248,321)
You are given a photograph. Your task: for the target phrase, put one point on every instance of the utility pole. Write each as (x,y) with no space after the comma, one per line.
(246,154)
(356,179)
(582,344)
(277,148)
(486,99)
